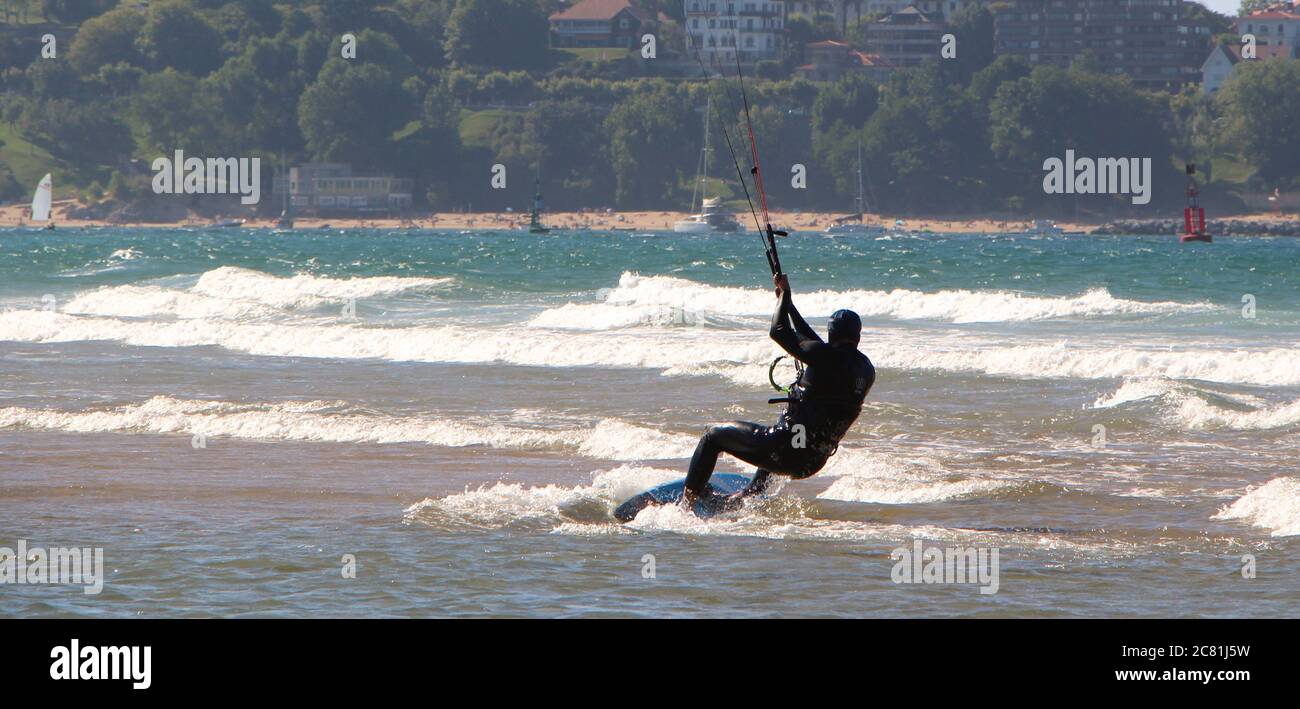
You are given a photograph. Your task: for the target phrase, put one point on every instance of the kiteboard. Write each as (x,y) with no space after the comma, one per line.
(715,500)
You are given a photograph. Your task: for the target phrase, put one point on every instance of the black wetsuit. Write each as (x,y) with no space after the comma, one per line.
(826,401)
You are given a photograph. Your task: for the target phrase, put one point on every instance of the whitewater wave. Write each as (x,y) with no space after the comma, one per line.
(1194,408)
(349,340)
(237,293)
(876,477)
(1264,367)
(668,300)
(330,421)
(586,510)
(737,356)
(1274,506)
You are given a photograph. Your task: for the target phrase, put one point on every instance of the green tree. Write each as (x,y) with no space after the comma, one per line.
(80,132)
(351,111)
(984,84)
(175,35)
(926,140)
(107,39)
(647,146)
(174,112)
(53,78)
(1050,111)
(839,112)
(74,11)
(972,25)
(510,34)
(565,138)
(1260,102)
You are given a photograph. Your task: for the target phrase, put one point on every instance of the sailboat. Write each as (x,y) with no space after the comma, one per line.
(41,201)
(285,222)
(535,225)
(853,224)
(711,217)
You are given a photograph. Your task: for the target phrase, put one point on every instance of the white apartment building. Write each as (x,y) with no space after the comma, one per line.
(718,29)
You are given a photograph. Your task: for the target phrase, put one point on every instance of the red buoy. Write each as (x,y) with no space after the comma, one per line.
(1193,213)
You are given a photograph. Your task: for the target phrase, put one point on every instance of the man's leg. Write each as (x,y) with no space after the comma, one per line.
(747,441)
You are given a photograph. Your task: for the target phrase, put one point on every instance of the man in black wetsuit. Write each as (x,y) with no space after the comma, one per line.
(824,403)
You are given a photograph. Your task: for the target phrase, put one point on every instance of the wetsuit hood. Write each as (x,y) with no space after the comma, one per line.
(845,325)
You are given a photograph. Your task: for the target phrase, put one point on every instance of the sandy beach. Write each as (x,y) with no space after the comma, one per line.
(15,215)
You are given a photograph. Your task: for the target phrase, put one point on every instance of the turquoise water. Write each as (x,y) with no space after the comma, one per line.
(229,412)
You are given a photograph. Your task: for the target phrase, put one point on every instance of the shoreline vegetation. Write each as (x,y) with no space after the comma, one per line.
(1269,223)
(452,94)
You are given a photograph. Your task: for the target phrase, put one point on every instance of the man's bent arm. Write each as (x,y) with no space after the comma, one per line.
(796,343)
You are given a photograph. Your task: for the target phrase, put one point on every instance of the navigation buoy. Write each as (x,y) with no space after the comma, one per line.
(1193,213)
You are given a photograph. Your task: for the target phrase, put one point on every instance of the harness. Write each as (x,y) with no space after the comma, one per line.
(794,396)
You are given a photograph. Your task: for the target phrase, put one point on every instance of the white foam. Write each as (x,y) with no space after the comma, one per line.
(1274,506)
(649,300)
(239,293)
(322,421)
(1136,390)
(146,301)
(1187,407)
(872,476)
(585,510)
(349,340)
(503,503)
(286,292)
(736,355)
(1062,360)
(1196,413)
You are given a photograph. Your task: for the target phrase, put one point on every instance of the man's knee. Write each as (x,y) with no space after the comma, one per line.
(718,430)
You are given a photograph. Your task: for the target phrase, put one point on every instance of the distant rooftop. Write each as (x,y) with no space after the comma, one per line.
(599,10)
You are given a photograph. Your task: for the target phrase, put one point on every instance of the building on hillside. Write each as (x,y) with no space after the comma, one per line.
(1153,42)
(1276,29)
(331,188)
(719,29)
(1219,66)
(830,60)
(933,8)
(849,14)
(905,38)
(601,23)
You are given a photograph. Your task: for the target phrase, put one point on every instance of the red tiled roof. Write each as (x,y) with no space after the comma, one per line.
(1272,15)
(827,44)
(871,59)
(596,10)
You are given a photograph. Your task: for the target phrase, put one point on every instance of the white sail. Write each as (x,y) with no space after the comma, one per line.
(41,202)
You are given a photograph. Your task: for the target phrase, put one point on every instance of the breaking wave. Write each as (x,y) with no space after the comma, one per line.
(231,292)
(332,421)
(668,300)
(1274,506)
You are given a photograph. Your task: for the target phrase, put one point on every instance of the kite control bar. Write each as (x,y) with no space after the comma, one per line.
(773,260)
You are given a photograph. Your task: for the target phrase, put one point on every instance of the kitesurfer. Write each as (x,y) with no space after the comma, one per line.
(823,403)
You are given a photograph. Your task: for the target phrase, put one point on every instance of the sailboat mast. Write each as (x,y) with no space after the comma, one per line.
(704,157)
(861,206)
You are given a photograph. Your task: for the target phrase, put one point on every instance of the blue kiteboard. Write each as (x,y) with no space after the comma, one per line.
(721,486)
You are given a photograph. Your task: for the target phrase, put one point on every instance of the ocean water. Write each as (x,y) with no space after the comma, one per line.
(228,413)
